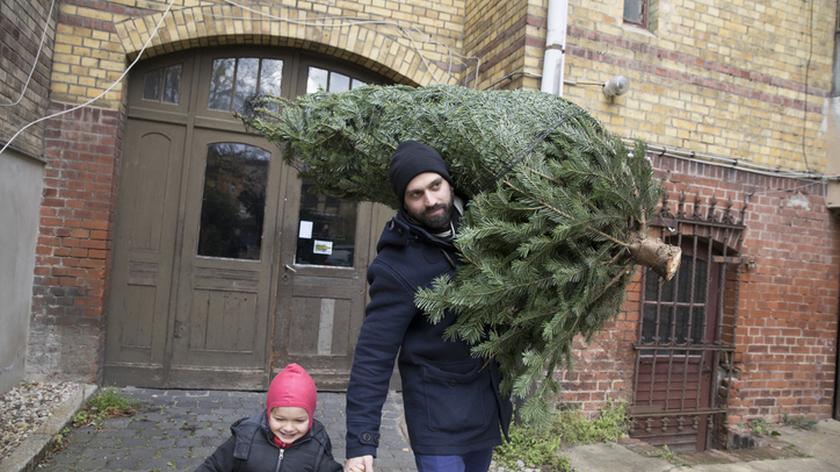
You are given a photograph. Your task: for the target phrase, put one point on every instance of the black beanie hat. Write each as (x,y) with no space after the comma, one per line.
(411,159)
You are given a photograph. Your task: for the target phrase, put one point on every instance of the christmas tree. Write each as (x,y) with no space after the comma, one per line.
(555,221)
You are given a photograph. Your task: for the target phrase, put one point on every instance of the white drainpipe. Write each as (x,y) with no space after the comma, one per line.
(555,47)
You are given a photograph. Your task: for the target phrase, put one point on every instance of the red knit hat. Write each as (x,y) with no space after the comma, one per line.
(292,387)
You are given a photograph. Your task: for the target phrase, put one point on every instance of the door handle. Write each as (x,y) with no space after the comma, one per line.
(290,268)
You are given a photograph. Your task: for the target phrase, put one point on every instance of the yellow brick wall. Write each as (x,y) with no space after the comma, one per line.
(719,77)
(415,41)
(24,99)
(494,33)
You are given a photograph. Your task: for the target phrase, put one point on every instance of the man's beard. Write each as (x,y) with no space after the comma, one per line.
(435,222)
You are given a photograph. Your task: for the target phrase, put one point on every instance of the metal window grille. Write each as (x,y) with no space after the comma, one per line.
(687,325)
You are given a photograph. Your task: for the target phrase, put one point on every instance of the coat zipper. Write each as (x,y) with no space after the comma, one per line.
(279,459)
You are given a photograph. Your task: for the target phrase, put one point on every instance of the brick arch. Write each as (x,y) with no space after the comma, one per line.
(370,46)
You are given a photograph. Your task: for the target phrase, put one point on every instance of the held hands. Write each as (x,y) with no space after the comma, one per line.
(359,464)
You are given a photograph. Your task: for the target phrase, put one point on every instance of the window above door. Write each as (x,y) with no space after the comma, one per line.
(235,80)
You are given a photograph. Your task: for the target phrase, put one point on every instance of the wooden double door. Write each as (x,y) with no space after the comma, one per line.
(226,267)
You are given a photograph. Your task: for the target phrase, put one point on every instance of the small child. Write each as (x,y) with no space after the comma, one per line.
(286,437)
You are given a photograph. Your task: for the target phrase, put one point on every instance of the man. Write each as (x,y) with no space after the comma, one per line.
(453,408)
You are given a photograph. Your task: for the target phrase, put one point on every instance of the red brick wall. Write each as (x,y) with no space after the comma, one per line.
(602,369)
(73,250)
(788,303)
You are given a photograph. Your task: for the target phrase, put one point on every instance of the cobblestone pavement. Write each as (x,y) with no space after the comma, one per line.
(178,429)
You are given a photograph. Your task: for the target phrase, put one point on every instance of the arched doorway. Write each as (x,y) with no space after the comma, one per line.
(225,264)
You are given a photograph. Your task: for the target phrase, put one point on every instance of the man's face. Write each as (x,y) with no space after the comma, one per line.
(428,199)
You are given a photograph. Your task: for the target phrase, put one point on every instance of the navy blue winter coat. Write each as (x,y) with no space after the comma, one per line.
(452,401)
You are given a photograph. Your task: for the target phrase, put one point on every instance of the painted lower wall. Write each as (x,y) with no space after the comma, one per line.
(20,197)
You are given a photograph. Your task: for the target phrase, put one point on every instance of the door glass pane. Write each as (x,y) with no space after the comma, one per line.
(233,201)
(339,82)
(326,229)
(653,282)
(271,75)
(151,85)
(246,81)
(686,305)
(317,80)
(649,323)
(172,84)
(698,324)
(221,84)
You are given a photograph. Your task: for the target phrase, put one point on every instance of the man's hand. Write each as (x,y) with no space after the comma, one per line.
(359,464)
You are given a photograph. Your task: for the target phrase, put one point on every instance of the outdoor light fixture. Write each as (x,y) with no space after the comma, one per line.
(617,85)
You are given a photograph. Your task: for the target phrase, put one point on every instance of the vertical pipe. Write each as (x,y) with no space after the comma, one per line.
(555,47)
(833,141)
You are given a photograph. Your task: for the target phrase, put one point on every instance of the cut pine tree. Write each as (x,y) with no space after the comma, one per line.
(555,222)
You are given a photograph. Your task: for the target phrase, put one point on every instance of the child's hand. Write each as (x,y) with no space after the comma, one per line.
(359,464)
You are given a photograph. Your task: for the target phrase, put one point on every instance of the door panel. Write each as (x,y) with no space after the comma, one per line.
(221,322)
(320,306)
(138,302)
(676,359)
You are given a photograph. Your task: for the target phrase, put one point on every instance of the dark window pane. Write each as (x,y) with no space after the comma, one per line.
(327,229)
(233,202)
(698,322)
(633,10)
(681,328)
(652,287)
(650,333)
(221,84)
(317,80)
(684,289)
(246,81)
(339,82)
(151,85)
(172,84)
(700,281)
(649,323)
(271,75)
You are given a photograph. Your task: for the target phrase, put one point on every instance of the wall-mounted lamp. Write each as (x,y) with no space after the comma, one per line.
(618,85)
(615,86)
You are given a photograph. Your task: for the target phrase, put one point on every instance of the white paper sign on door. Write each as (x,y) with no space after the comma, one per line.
(305,230)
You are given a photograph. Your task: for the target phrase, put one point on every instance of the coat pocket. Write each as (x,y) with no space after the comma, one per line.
(458,397)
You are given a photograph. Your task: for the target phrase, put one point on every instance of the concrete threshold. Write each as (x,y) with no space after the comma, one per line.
(33,449)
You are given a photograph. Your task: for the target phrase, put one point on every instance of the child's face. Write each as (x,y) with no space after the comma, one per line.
(289,423)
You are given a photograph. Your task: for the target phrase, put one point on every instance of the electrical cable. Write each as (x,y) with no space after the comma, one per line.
(104,92)
(732,163)
(34,61)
